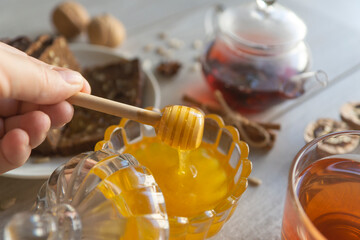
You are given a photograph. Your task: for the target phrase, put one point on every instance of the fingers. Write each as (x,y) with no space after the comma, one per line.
(86,88)
(14,149)
(37,91)
(23,78)
(21,133)
(35,124)
(8,107)
(2,128)
(11,49)
(59,114)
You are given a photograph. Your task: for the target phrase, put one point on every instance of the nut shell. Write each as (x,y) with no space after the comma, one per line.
(350,113)
(168,68)
(106,30)
(338,145)
(321,127)
(70,19)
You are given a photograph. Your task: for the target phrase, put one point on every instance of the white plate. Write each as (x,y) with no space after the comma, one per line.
(87,55)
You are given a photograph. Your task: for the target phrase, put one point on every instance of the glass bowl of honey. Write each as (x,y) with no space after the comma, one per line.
(201,187)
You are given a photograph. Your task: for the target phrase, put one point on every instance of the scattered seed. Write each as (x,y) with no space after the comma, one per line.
(7,203)
(196,66)
(162,35)
(197,59)
(100,77)
(254,181)
(163,52)
(148,47)
(51,54)
(175,43)
(56,59)
(197,44)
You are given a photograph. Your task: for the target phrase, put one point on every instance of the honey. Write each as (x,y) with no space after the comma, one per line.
(192,181)
(121,188)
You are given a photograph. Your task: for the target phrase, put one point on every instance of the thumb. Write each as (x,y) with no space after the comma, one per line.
(27,79)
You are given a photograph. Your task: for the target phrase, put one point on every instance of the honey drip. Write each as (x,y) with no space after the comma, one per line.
(185,166)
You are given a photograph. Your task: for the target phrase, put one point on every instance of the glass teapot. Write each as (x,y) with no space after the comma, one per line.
(257,56)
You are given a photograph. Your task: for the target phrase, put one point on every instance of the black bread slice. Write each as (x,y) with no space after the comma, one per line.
(22,42)
(122,81)
(52,50)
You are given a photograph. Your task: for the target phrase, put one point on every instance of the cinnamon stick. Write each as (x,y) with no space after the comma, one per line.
(217,110)
(256,134)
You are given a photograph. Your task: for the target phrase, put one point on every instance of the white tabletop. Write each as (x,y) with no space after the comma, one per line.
(333,36)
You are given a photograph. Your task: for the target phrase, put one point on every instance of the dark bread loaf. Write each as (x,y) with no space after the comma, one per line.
(59,54)
(38,45)
(22,42)
(120,81)
(54,51)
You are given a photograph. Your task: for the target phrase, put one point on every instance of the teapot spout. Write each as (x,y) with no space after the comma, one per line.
(303,82)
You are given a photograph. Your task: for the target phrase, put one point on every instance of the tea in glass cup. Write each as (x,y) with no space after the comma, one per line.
(323,195)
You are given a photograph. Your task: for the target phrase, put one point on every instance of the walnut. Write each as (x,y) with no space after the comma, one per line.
(321,127)
(335,145)
(106,30)
(70,19)
(168,68)
(350,113)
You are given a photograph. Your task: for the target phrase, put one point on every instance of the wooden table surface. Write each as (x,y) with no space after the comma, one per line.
(334,39)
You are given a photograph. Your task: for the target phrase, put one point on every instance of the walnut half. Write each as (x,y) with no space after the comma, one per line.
(335,145)
(350,113)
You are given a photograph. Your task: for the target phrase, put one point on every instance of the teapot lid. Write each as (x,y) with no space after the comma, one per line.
(263,24)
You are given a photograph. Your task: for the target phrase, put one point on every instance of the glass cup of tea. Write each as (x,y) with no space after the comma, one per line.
(323,195)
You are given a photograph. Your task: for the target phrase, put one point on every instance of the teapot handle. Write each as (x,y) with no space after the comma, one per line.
(303,82)
(211,20)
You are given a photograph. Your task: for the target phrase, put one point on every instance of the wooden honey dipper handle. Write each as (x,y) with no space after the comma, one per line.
(179,126)
(115,108)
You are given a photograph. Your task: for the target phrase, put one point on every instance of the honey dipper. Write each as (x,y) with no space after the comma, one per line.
(178,126)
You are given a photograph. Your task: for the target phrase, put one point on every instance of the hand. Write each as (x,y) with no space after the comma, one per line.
(32,99)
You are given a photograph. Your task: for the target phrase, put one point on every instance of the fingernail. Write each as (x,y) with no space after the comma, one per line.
(69,76)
